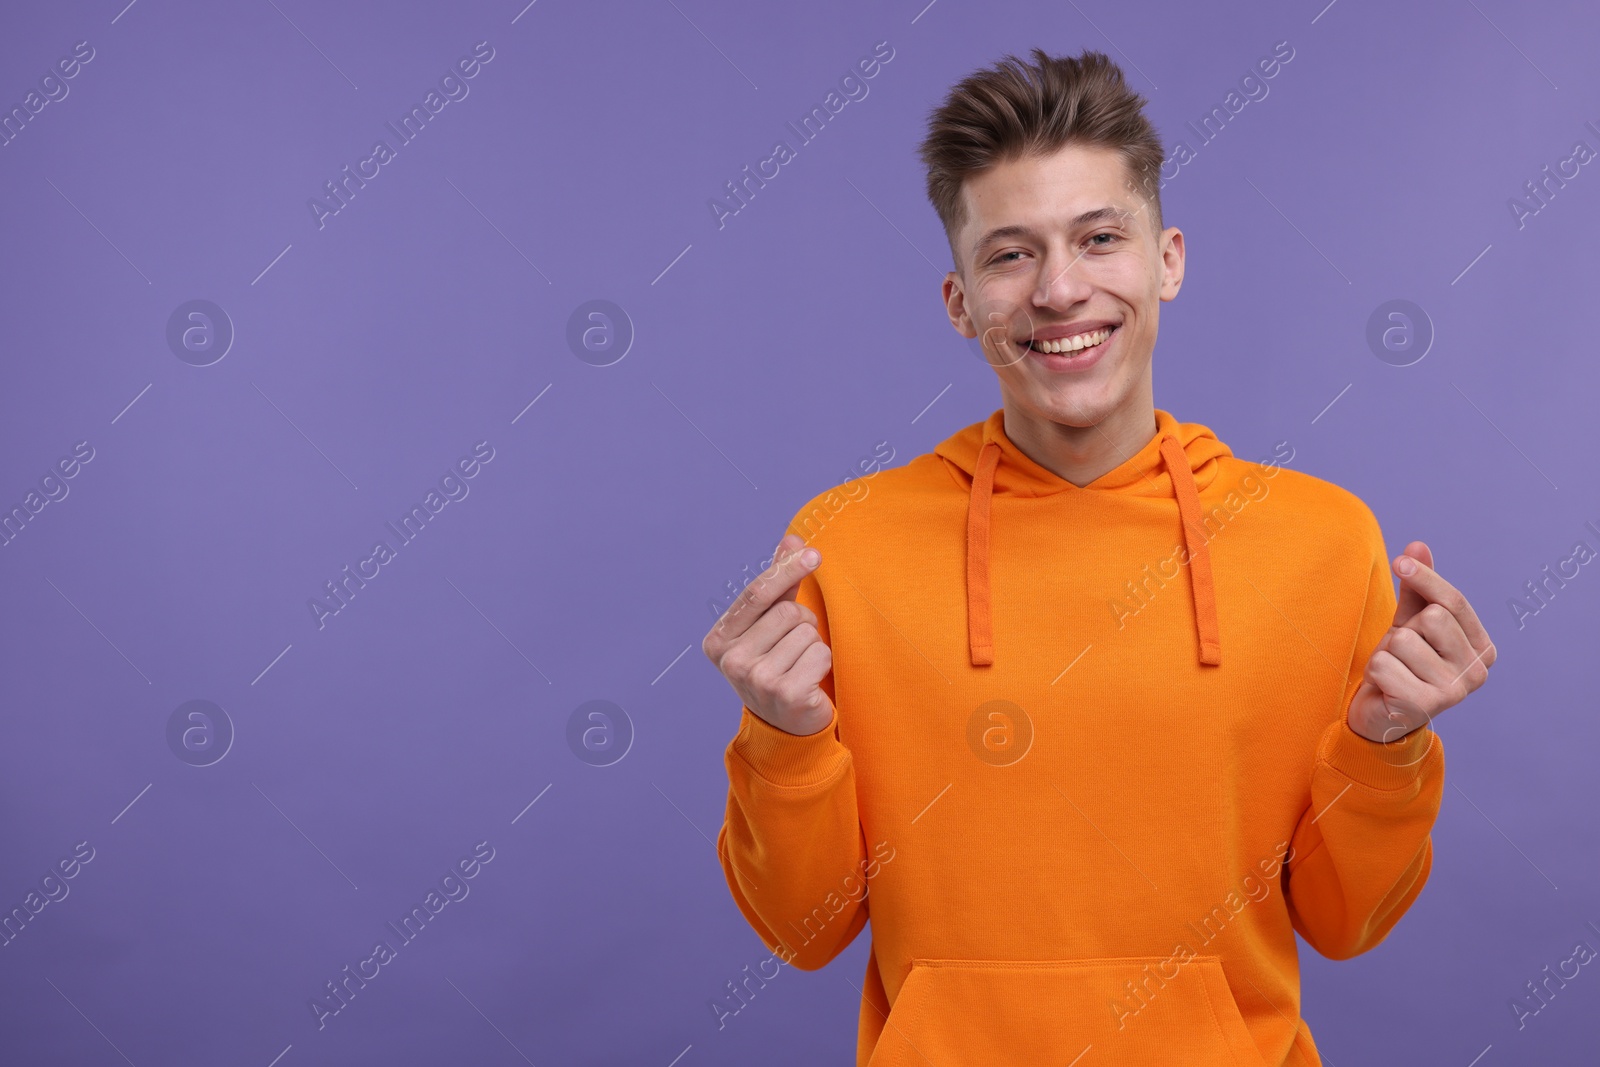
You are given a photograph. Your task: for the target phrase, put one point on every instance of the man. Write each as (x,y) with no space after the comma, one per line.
(1087,713)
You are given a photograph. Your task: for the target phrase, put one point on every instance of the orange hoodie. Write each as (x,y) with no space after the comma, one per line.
(1089,767)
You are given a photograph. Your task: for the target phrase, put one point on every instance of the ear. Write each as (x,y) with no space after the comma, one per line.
(955,305)
(1170,243)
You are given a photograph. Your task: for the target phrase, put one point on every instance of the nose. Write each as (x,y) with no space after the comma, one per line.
(1060,282)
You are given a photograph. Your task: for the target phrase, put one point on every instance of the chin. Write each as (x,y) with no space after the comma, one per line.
(1071,405)
(1089,394)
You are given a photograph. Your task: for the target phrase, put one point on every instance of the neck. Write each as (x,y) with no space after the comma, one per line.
(1080,454)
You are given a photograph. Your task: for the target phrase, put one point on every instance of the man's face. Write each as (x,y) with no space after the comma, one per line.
(1077,254)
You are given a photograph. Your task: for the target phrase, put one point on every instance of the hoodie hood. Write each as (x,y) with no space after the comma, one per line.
(1178,462)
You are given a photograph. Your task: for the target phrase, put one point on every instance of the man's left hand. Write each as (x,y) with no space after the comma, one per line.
(1435,653)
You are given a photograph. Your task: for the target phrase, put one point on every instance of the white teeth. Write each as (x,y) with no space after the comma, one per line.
(1073,344)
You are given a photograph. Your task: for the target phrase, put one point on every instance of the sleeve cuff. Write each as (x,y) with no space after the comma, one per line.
(789,759)
(1378,766)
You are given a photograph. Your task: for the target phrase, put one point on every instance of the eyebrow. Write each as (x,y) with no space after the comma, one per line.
(1099,214)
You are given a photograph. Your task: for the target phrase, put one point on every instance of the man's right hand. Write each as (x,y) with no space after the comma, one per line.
(767,645)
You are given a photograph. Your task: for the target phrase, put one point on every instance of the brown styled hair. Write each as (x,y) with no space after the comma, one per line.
(1016,109)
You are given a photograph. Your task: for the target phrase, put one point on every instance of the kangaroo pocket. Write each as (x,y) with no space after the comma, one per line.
(1067,1013)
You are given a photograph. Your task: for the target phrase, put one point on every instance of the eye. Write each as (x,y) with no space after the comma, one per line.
(1113,238)
(1001,258)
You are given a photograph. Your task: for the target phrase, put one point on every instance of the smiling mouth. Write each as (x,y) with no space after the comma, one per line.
(1082,342)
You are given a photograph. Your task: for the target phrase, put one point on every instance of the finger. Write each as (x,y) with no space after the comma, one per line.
(777,582)
(1410,600)
(1420,658)
(1396,721)
(1444,633)
(786,651)
(789,546)
(1470,668)
(787,679)
(776,623)
(1403,692)
(1396,725)
(1432,588)
(810,670)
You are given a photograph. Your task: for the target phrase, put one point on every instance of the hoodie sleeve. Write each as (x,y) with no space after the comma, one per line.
(791,844)
(1361,851)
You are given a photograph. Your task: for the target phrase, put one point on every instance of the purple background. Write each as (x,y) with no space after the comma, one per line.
(770,355)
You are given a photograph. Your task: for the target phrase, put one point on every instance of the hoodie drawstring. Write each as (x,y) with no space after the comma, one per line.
(1194,538)
(980,634)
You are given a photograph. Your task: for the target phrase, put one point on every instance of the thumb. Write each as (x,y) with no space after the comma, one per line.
(1409,602)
